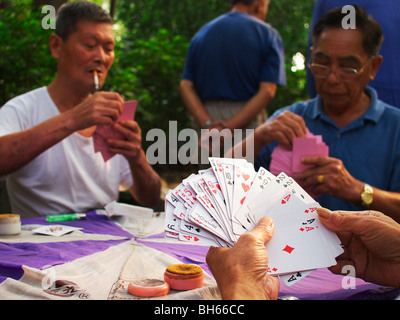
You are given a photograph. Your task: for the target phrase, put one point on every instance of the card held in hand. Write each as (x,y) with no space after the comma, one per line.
(103,132)
(216,206)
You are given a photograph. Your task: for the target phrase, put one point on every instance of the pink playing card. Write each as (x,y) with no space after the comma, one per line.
(310,146)
(303,147)
(281,161)
(103,132)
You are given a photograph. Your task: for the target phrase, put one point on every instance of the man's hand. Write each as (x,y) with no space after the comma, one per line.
(131,146)
(100,108)
(329,176)
(371,242)
(283,128)
(241,271)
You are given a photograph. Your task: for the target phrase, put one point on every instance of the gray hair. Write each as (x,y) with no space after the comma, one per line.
(70,14)
(369,27)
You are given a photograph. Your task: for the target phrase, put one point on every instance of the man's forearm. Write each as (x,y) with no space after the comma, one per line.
(254,106)
(193,102)
(20,148)
(148,191)
(387,202)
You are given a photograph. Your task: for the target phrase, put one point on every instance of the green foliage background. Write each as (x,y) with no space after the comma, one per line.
(152,41)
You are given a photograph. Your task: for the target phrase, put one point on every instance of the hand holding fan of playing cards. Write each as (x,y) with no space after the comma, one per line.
(378,262)
(251,265)
(216,206)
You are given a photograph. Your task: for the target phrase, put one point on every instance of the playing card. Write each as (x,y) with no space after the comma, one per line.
(292,278)
(281,160)
(298,235)
(200,236)
(243,176)
(291,210)
(103,132)
(217,205)
(259,184)
(186,193)
(217,198)
(55,230)
(266,199)
(289,161)
(203,219)
(302,147)
(215,192)
(307,147)
(170,223)
(223,171)
(229,180)
(196,239)
(290,250)
(171,198)
(291,184)
(217,167)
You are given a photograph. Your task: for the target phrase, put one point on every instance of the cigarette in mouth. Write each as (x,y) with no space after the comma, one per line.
(96,80)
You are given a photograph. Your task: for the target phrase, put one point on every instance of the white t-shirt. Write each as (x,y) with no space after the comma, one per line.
(68,177)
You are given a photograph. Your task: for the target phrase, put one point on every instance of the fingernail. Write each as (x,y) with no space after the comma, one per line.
(324,213)
(270,222)
(267,221)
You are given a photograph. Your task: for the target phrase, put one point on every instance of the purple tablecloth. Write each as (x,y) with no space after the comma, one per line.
(40,255)
(320,285)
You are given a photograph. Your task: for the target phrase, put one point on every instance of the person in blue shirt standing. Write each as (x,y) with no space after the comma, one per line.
(387,80)
(362,132)
(234,65)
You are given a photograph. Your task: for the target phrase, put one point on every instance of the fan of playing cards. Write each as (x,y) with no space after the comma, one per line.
(217,205)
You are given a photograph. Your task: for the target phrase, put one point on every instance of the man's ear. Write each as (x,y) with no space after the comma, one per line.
(258,6)
(55,43)
(376,62)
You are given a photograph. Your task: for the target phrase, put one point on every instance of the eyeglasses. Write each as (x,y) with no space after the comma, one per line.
(343,74)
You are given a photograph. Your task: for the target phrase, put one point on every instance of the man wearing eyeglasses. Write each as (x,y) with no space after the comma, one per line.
(387,81)
(363,133)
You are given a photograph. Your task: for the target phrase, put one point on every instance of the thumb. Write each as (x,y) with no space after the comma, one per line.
(264,229)
(334,220)
(352,221)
